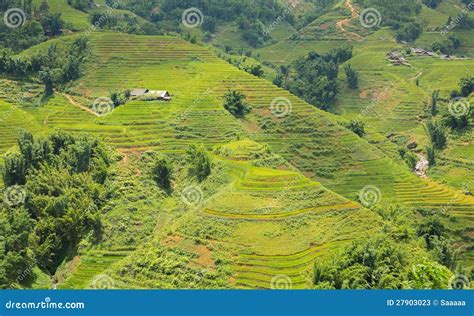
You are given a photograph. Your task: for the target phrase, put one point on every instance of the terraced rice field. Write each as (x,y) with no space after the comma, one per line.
(300,209)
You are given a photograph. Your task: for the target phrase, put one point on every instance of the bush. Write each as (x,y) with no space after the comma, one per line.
(200,162)
(162,172)
(234,102)
(352,77)
(357,127)
(437,134)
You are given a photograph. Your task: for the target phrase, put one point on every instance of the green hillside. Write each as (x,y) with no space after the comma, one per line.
(290,185)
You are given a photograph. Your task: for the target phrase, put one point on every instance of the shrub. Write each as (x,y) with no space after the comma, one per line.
(162,172)
(234,102)
(200,162)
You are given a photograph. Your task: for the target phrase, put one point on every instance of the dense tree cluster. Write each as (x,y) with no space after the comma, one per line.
(36,26)
(250,15)
(316,77)
(389,260)
(52,67)
(61,182)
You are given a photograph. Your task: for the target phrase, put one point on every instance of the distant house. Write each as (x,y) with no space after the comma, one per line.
(150,95)
(160,95)
(421,52)
(138,92)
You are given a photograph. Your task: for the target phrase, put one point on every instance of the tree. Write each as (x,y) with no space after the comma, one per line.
(432,3)
(467,86)
(352,77)
(200,162)
(46,76)
(162,172)
(437,134)
(52,24)
(409,32)
(431,154)
(15,255)
(357,127)
(234,102)
(15,170)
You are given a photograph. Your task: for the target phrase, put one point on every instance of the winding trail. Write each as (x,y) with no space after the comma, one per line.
(75,103)
(354,15)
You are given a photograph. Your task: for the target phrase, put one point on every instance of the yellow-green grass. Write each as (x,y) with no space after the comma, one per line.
(78,19)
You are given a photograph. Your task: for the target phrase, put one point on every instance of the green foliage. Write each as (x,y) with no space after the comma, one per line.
(394,13)
(457,122)
(409,32)
(432,3)
(447,46)
(375,263)
(409,157)
(199,161)
(437,134)
(435,234)
(64,188)
(352,77)
(15,256)
(53,67)
(234,102)
(434,102)
(431,155)
(52,24)
(162,173)
(316,77)
(357,127)
(467,86)
(119,98)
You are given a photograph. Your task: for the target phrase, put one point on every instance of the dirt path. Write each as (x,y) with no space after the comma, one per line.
(75,103)
(417,76)
(354,15)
